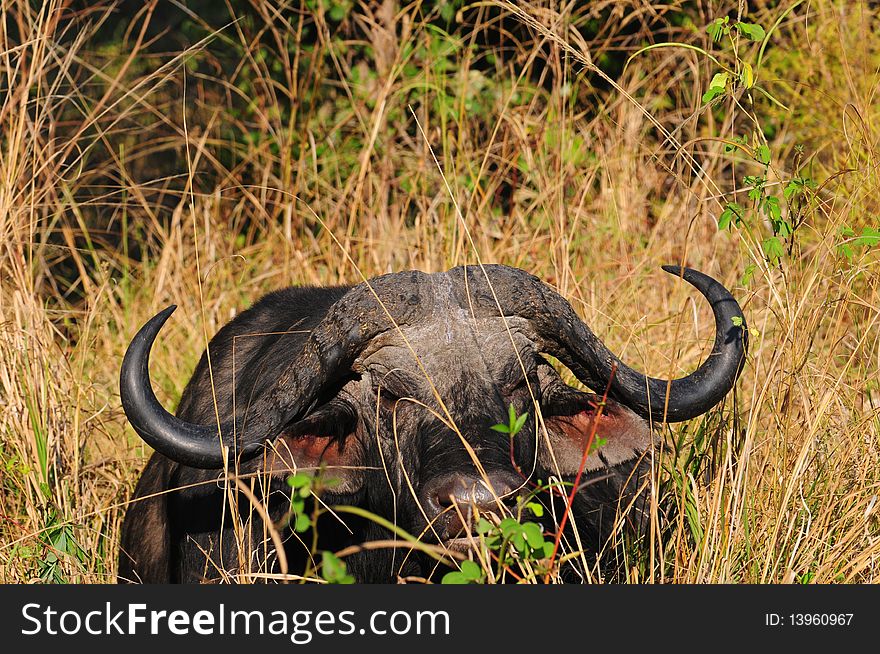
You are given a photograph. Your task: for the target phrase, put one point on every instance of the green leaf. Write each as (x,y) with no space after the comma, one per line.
(845,249)
(782,228)
(519,423)
(751,31)
(748,274)
(493,540)
(798,185)
(757,183)
(733,214)
(762,154)
(536,509)
(737,321)
(447,11)
(772,209)
(299,480)
(773,249)
(338,12)
(333,569)
(302,523)
(471,570)
(719,80)
(718,28)
(870,237)
(533,534)
(730,147)
(518,540)
(509,526)
(455,578)
(504,429)
(598,443)
(716,87)
(711,94)
(484,526)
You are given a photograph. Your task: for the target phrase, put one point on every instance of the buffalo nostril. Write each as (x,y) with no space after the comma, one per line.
(454,500)
(474,491)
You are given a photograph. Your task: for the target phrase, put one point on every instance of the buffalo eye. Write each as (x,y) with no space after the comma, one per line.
(327,440)
(614,434)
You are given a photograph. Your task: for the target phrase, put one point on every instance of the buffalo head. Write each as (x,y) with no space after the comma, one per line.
(395,385)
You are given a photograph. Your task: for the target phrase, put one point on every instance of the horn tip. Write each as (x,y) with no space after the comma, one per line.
(160,318)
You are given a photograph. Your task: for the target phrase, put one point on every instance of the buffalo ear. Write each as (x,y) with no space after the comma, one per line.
(625,435)
(326,445)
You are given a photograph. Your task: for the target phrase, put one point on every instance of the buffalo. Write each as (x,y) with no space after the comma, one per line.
(390,390)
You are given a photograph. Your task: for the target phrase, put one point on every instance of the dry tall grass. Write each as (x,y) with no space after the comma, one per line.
(607,184)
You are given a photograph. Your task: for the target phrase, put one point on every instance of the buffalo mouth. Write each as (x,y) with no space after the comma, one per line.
(457,537)
(462,544)
(455,504)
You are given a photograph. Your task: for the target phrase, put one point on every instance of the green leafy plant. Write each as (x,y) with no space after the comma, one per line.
(512,543)
(60,551)
(736,51)
(526,539)
(333,569)
(301,485)
(469,573)
(514,422)
(868,239)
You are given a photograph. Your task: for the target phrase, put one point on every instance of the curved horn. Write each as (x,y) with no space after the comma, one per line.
(327,354)
(192,445)
(559,329)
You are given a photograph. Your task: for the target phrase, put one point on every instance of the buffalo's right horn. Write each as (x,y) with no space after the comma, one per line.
(327,355)
(200,446)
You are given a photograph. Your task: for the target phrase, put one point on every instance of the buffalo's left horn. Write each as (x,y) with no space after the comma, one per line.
(561,332)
